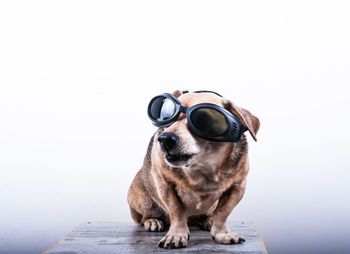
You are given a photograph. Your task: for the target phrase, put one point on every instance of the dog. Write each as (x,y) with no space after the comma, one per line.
(202,187)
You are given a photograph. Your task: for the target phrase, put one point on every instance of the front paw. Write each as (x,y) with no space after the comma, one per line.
(175,238)
(222,234)
(227,237)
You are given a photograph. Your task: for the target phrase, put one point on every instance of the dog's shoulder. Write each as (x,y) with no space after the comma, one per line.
(143,180)
(147,163)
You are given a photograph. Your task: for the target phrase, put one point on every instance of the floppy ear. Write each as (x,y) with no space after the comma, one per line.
(177,93)
(247,118)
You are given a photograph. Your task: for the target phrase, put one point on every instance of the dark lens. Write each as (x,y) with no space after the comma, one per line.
(162,109)
(209,121)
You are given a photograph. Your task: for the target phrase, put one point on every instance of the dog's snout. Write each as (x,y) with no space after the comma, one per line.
(168,140)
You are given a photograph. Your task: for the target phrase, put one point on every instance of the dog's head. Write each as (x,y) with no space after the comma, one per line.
(181,148)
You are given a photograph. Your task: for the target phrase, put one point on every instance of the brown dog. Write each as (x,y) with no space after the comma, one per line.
(203,187)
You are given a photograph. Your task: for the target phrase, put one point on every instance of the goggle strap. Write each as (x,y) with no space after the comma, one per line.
(183,109)
(202,91)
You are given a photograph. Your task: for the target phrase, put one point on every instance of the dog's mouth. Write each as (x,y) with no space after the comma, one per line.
(178,158)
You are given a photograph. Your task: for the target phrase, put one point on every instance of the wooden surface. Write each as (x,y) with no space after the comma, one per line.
(112,237)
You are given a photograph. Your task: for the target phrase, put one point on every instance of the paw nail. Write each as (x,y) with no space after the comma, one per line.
(232,241)
(213,238)
(241,240)
(181,245)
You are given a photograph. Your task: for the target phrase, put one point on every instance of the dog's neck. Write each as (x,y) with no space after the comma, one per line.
(209,173)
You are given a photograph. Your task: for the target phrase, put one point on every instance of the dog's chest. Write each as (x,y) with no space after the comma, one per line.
(197,202)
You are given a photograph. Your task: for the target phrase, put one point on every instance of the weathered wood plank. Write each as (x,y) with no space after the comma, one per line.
(112,237)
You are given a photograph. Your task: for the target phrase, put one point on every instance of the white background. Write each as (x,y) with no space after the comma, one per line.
(76,77)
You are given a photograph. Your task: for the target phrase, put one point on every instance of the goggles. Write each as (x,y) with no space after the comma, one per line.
(205,120)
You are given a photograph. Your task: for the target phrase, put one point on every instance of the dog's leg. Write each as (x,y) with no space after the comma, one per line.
(144,210)
(152,218)
(135,216)
(219,230)
(178,233)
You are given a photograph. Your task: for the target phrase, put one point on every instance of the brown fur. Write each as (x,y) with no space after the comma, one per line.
(203,192)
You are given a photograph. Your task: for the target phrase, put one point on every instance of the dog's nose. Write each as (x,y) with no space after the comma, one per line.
(168,140)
